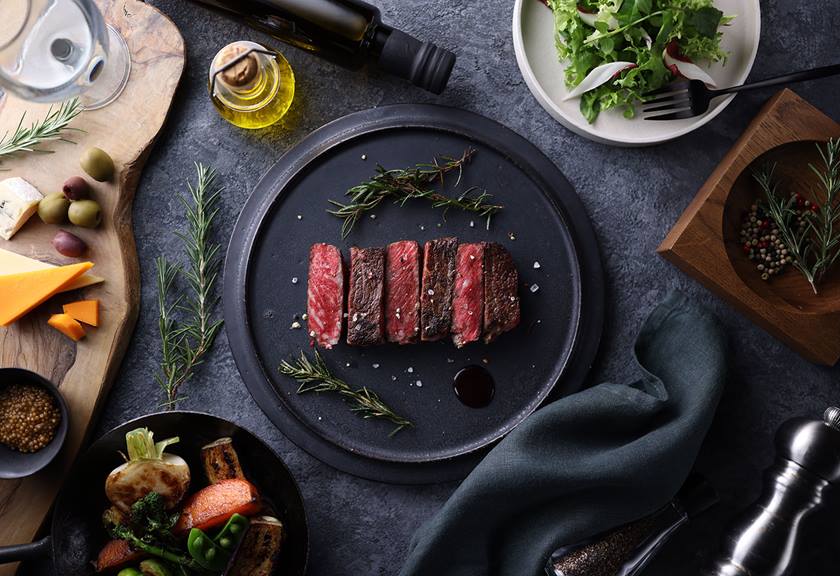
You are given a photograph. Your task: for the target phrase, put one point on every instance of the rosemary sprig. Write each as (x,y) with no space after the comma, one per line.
(402,185)
(815,248)
(315,376)
(52,127)
(184,343)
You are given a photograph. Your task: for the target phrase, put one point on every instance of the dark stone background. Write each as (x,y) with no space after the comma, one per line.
(632,195)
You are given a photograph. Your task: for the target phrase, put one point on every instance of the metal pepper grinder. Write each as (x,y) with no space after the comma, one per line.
(762,541)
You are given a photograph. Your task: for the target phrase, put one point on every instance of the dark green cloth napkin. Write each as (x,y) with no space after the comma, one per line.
(585,463)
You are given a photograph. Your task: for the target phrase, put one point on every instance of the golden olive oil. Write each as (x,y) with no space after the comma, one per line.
(250,85)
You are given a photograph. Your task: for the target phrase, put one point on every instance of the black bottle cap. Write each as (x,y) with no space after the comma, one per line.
(423,63)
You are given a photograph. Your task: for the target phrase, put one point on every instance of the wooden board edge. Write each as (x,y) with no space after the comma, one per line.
(128,180)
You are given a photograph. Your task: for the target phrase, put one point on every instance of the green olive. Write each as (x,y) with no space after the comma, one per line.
(53,208)
(98,164)
(85,213)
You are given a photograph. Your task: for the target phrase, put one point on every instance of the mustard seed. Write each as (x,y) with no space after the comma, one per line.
(29,417)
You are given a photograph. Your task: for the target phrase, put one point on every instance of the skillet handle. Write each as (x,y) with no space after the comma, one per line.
(18,552)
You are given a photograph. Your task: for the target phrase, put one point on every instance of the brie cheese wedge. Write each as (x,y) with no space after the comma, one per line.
(18,202)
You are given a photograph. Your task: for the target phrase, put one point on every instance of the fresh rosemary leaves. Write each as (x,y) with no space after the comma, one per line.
(402,185)
(52,127)
(815,247)
(315,376)
(185,341)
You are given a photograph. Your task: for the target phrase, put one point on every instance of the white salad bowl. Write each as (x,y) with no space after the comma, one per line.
(536,54)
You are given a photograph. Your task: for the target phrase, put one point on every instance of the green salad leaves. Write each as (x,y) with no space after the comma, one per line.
(591,33)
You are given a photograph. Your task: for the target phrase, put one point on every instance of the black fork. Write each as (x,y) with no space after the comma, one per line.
(689,99)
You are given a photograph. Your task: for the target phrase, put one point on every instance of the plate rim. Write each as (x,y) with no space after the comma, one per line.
(286,169)
(554,111)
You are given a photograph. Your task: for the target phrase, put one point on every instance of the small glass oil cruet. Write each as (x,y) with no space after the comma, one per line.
(251,85)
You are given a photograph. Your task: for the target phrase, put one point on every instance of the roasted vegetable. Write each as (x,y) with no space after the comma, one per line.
(116,554)
(229,536)
(153,567)
(158,550)
(150,520)
(259,553)
(220,461)
(212,506)
(206,552)
(148,470)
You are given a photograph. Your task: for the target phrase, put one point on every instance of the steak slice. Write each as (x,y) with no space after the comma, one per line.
(365,317)
(325,295)
(468,300)
(402,292)
(501,297)
(436,293)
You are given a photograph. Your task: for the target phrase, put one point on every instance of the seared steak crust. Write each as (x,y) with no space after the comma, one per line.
(437,289)
(501,296)
(365,317)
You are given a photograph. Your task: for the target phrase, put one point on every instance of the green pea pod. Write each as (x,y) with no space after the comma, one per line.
(229,536)
(205,552)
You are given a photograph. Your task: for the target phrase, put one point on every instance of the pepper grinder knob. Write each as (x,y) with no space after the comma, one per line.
(762,541)
(832,417)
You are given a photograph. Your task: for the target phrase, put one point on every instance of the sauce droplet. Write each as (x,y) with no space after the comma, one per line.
(474,386)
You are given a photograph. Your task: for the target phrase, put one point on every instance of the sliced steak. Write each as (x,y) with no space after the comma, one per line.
(501,296)
(436,292)
(325,295)
(468,299)
(402,292)
(365,316)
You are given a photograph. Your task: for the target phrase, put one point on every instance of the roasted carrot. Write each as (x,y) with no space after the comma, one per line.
(212,506)
(116,554)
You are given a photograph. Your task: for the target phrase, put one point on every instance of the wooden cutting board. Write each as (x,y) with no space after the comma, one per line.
(704,241)
(126,129)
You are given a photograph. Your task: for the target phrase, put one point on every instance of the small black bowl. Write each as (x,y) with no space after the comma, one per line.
(14,464)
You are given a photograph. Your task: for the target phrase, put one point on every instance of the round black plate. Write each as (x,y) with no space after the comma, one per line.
(543,225)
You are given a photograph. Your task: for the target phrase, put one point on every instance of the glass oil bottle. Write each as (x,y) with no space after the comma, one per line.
(250,85)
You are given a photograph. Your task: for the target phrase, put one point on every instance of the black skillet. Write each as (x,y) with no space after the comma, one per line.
(544,226)
(77,534)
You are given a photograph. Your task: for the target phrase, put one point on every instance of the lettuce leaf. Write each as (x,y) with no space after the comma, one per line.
(644,28)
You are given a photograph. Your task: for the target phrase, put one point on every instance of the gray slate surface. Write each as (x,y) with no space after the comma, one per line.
(632,195)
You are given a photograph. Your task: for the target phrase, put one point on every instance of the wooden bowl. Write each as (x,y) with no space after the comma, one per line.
(791,169)
(704,241)
(14,464)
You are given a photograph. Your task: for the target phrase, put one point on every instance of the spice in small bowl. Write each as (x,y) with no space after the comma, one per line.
(33,422)
(29,417)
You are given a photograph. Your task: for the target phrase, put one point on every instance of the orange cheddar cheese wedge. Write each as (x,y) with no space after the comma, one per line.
(67,326)
(86,311)
(13,263)
(20,293)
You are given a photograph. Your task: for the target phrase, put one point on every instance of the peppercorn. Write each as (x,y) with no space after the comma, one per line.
(759,237)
